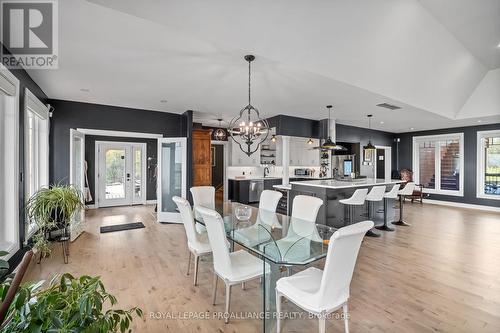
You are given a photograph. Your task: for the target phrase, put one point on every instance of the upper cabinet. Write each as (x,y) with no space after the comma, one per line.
(302,153)
(239,158)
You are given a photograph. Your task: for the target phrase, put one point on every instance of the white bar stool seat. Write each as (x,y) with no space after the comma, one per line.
(391,195)
(356,199)
(407,190)
(376,194)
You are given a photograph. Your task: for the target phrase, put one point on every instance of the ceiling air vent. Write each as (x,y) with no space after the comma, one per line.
(388,106)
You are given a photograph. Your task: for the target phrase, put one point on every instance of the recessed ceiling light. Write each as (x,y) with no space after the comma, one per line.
(85,90)
(498,45)
(163,101)
(381,123)
(412,128)
(479,121)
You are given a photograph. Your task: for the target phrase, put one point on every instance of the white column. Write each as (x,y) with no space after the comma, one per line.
(286,159)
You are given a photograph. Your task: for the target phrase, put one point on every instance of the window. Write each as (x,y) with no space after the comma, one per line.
(9,162)
(36,148)
(488,165)
(438,163)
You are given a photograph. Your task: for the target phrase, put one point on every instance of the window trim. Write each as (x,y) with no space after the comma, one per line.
(5,74)
(416,159)
(34,105)
(480,165)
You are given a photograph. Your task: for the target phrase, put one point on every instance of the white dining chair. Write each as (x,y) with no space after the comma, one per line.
(321,292)
(269,200)
(232,267)
(266,220)
(203,196)
(198,243)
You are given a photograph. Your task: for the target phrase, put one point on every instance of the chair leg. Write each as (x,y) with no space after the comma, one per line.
(214,295)
(322,323)
(243,286)
(278,312)
(346,318)
(228,298)
(189,263)
(196,261)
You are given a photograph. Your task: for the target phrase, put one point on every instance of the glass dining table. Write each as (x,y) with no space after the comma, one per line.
(282,243)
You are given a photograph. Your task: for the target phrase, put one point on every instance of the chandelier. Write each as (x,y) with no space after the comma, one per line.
(219,133)
(247,129)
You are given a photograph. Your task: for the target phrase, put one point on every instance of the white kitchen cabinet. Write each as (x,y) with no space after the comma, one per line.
(302,154)
(239,158)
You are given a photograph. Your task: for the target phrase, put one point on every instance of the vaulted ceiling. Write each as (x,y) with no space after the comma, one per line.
(438,60)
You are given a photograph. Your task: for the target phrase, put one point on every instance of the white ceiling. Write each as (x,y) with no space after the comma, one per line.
(353,54)
(475,23)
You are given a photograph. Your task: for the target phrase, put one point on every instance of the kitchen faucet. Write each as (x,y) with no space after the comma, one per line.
(266,172)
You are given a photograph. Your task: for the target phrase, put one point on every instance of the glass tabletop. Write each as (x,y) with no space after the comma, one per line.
(278,238)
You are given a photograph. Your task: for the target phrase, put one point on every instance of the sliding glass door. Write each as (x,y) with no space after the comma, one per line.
(172,177)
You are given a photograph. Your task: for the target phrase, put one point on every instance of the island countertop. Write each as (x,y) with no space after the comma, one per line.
(342,184)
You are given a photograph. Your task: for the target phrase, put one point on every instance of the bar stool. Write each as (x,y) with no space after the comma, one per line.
(376,194)
(392,194)
(356,199)
(407,190)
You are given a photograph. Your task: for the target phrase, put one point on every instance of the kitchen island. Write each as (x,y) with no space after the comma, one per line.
(331,191)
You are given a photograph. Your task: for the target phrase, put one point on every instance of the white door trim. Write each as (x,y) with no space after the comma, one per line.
(170,217)
(225,149)
(131,145)
(387,161)
(123,134)
(77,229)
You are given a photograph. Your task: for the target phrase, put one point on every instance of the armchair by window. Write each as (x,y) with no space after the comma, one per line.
(418,193)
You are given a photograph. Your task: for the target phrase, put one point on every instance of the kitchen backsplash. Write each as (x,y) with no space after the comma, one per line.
(274,171)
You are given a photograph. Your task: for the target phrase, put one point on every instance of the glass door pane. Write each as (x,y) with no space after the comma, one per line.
(171,182)
(492,166)
(427,164)
(115,173)
(137,188)
(450,165)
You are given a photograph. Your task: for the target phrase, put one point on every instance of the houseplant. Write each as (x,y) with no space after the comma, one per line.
(68,304)
(52,208)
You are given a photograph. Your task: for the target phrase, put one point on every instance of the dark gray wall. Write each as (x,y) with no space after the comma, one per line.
(151,154)
(295,126)
(25,81)
(470,157)
(69,114)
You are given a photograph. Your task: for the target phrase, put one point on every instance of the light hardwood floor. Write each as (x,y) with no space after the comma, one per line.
(442,274)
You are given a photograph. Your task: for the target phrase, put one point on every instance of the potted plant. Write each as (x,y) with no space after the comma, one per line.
(68,304)
(51,209)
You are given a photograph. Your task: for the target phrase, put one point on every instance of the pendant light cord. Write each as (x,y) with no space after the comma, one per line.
(249,84)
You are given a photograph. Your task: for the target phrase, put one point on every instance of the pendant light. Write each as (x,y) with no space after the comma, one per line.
(329,144)
(220,133)
(247,129)
(369,146)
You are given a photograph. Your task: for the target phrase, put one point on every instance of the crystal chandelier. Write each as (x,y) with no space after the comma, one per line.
(247,129)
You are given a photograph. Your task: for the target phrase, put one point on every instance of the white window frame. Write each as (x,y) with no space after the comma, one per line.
(480,165)
(416,160)
(40,151)
(12,243)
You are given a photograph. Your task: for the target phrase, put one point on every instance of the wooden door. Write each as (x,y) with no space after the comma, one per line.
(202,163)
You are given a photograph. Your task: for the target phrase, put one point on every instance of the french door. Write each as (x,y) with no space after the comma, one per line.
(172,177)
(77,179)
(121,173)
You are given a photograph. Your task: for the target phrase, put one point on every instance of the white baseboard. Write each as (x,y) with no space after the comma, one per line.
(150,202)
(462,205)
(90,206)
